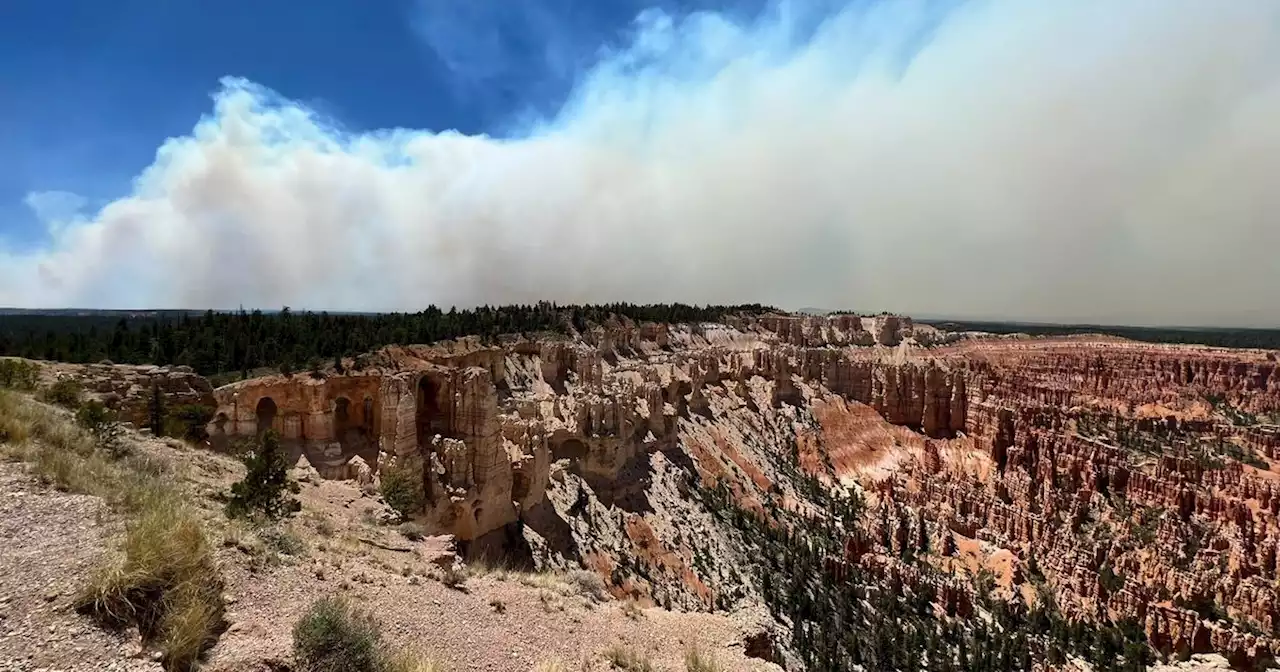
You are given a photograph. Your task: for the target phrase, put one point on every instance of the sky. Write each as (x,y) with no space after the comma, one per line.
(1084,161)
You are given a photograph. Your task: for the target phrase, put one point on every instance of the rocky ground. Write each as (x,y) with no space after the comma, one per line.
(339,544)
(1128,482)
(52,541)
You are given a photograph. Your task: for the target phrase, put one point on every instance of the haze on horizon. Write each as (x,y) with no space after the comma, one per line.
(1088,162)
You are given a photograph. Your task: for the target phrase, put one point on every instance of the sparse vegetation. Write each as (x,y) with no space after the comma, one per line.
(697,659)
(163,579)
(101,422)
(321,524)
(900,629)
(65,392)
(188,422)
(18,374)
(266,490)
(411,531)
(454,577)
(282,540)
(401,485)
(587,583)
(632,610)
(628,659)
(413,661)
(336,636)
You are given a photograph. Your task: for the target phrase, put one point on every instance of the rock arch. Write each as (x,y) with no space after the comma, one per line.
(341,417)
(430,418)
(266,412)
(569,449)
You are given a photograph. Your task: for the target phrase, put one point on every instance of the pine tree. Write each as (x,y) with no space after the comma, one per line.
(266,489)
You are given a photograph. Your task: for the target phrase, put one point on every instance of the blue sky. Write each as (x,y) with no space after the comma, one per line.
(1070,160)
(90,89)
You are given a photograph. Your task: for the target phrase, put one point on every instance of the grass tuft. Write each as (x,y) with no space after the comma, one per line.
(165,582)
(698,660)
(413,661)
(628,660)
(337,636)
(163,579)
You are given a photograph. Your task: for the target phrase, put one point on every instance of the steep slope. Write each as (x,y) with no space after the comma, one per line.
(1094,481)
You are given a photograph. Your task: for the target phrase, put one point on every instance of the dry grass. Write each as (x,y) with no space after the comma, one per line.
(163,578)
(413,661)
(628,660)
(575,583)
(698,660)
(64,456)
(632,610)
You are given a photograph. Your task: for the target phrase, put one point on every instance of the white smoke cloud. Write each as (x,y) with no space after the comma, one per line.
(1082,160)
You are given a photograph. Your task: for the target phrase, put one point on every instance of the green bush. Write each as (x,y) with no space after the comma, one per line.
(266,490)
(65,392)
(101,422)
(189,422)
(18,374)
(335,636)
(401,485)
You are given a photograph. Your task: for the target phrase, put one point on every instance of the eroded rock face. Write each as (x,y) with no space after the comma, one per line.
(1130,481)
(128,388)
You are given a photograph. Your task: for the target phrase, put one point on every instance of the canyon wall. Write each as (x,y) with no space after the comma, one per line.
(1129,481)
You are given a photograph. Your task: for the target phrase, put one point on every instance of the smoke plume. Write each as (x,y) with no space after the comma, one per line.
(1068,160)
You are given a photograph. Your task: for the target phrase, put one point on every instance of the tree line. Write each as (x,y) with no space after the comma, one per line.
(217,342)
(1265,339)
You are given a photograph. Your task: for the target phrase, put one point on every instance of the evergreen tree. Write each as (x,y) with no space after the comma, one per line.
(266,489)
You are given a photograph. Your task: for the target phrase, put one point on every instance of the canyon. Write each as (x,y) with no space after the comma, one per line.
(1129,482)
(842,490)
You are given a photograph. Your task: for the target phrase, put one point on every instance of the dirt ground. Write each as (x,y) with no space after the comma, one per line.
(339,544)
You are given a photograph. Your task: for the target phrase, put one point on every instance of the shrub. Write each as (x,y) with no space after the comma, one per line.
(282,541)
(189,422)
(266,489)
(632,610)
(588,583)
(454,577)
(335,636)
(18,374)
(411,531)
(65,392)
(401,485)
(100,422)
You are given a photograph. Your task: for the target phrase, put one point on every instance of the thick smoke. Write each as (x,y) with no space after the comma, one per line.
(1067,160)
